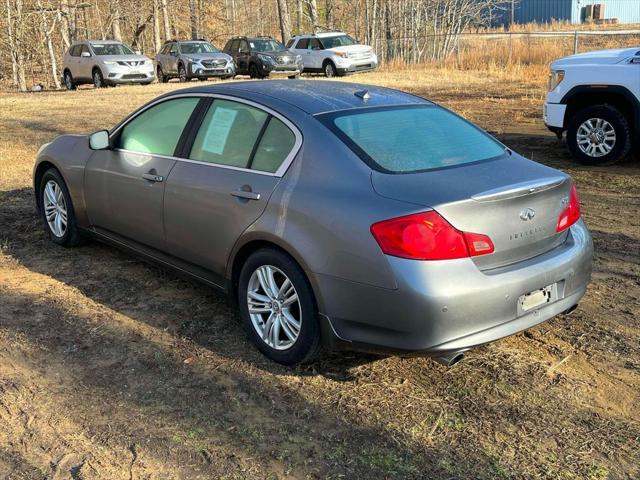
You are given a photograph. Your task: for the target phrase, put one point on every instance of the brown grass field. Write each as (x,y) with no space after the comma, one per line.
(112,368)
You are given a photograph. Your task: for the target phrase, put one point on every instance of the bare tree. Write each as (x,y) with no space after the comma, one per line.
(194,18)
(328,14)
(157,42)
(47,31)
(285,23)
(164,8)
(312,8)
(15,33)
(115,20)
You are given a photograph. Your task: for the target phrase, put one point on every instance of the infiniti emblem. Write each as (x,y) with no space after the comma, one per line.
(527,214)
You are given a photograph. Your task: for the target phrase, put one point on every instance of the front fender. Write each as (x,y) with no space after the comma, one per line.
(69,155)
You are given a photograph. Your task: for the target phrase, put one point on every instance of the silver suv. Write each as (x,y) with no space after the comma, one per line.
(333,53)
(193,59)
(103,63)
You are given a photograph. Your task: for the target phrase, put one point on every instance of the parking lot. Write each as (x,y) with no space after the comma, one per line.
(112,368)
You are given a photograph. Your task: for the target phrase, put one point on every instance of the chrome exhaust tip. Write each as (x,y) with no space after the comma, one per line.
(449,359)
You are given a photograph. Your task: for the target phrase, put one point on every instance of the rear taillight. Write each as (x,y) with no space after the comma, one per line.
(428,236)
(571,213)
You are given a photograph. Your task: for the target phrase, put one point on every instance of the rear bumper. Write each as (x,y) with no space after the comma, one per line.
(451,305)
(554,116)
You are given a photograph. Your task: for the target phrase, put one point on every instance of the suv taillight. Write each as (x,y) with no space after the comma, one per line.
(428,236)
(571,214)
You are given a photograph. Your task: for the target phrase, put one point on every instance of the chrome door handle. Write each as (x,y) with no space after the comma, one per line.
(152,178)
(246,195)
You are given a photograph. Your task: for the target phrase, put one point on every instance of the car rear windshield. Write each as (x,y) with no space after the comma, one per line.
(411,139)
(266,45)
(338,41)
(197,47)
(111,49)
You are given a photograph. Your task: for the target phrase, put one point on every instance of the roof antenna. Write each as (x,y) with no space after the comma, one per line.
(363,94)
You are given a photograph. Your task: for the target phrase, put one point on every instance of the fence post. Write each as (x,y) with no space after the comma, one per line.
(575,42)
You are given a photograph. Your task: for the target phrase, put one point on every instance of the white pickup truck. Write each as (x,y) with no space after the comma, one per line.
(595,98)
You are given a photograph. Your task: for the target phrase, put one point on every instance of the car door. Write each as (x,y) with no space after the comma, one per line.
(316,53)
(300,48)
(124,185)
(235,161)
(72,60)
(86,62)
(244,54)
(162,57)
(172,58)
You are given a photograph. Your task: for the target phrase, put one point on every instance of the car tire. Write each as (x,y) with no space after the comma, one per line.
(298,329)
(55,205)
(329,69)
(182,73)
(162,78)
(612,130)
(68,81)
(98,78)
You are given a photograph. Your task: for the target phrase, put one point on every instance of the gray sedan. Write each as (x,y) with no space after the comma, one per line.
(335,214)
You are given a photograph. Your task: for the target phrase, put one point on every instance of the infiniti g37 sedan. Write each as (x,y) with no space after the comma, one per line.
(336,214)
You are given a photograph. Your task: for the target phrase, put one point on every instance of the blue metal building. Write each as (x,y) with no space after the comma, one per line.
(574,11)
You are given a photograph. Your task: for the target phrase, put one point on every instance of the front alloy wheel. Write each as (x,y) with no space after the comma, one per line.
(98,80)
(330,70)
(55,208)
(182,73)
(596,137)
(278,308)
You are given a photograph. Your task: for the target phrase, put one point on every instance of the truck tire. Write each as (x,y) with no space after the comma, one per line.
(599,135)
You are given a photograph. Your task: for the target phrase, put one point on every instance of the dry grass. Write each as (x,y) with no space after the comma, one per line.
(93,382)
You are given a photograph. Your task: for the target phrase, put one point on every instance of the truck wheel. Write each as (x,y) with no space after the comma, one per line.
(599,135)
(329,69)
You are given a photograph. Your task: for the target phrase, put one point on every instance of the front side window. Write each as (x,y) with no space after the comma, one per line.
(75,50)
(290,42)
(302,44)
(338,41)
(411,139)
(85,48)
(158,129)
(101,49)
(174,49)
(266,45)
(197,47)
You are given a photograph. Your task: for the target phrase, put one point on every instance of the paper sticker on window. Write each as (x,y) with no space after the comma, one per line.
(218,131)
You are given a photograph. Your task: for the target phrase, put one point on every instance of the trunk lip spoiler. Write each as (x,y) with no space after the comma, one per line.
(519,189)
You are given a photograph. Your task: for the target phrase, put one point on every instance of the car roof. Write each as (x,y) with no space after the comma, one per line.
(319,35)
(101,41)
(312,96)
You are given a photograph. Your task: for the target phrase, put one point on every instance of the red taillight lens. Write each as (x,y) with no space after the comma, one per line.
(428,236)
(571,214)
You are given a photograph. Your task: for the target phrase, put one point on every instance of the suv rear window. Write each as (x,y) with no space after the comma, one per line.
(411,139)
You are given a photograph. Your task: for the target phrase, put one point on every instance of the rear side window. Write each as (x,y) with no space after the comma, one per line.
(228,133)
(411,139)
(303,44)
(314,44)
(276,144)
(158,129)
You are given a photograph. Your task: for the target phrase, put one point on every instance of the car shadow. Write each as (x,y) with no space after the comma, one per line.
(122,349)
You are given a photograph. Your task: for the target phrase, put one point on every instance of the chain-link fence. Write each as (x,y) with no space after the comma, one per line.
(476,50)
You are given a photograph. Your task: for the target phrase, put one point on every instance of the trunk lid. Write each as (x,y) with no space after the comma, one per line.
(516,202)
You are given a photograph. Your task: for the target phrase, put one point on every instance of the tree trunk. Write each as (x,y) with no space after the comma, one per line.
(194,19)
(14,27)
(47,31)
(115,21)
(299,14)
(157,42)
(312,8)
(328,14)
(285,23)
(165,19)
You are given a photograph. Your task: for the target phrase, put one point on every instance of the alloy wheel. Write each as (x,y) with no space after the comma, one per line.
(329,70)
(596,137)
(97,79)
(55,208)
(67,81)
(182,73)
(274,307)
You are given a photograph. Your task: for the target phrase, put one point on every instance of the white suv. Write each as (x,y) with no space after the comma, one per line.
(595,98)
(333,53)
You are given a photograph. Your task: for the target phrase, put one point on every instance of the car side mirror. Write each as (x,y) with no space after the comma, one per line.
(243,50)
(85,54)
(99,140)
(138,52)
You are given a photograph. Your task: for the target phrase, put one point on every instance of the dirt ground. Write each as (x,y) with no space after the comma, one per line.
(111,368)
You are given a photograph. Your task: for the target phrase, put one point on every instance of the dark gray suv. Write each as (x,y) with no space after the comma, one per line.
(192,59)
